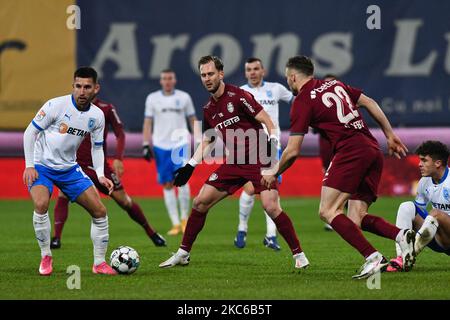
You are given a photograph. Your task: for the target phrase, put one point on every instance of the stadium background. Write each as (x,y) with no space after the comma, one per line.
(405,66)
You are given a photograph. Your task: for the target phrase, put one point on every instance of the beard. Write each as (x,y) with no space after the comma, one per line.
(214,88)
(294,92)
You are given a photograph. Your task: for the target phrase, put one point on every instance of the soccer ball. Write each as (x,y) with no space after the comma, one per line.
(125,260)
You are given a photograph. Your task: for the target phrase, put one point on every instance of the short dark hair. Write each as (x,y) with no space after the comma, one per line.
(86,72)
(254,59)
(302,64)
(168,70)
(207,59)
(435,149)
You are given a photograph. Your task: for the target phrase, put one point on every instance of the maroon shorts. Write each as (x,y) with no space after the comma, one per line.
(356,170)
(109,173)
(231,177)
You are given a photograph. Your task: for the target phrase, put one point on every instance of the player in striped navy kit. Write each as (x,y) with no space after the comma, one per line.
(51,141)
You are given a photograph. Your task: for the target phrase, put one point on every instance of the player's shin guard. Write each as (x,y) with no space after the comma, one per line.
(286,229)
(379,226)
(350,232)
(426,233)
(61,212)
(405,217)
(194,225)
(42,227)
(246,203)
(184,197)
(170,200)
(100,238)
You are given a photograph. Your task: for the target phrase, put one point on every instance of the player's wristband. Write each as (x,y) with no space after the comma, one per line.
(192,162)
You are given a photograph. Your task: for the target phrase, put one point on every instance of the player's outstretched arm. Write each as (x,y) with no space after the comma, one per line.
(395,145)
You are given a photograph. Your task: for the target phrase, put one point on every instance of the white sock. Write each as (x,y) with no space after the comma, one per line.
(42,228)
(182,252)
(271,227)
(100,238)
(405,217)
(426,233)
(171,204)
(184,197)
(246,203)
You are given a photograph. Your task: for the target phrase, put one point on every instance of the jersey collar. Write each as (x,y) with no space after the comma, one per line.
(75,105)
(443,177)
(262,85)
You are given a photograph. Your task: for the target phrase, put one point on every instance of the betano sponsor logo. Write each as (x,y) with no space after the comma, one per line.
(64,128)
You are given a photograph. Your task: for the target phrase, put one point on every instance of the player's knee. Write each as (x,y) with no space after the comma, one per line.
(200,205)
(407,206)
(326,215)
(41,205)
(99,211)
(272,208)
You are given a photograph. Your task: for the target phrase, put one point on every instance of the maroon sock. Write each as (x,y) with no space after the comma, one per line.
(350,232)
(194,225)
(61,212)
(379,226)
(135,213)
(286,229)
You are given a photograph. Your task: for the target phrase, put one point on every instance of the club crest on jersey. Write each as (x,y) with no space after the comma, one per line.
(231,94)
(91,123)
(177,103)
(313,94)
(230,107)
(213,177)
(269,93)
(63,128)
(40,115)
(446,194)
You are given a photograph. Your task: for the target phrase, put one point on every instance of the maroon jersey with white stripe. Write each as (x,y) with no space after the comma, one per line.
(84,157)
(234,114)
(331,107)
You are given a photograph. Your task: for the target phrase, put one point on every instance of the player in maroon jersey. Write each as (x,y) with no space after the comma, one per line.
(119,195)
(357,163)
(230,114)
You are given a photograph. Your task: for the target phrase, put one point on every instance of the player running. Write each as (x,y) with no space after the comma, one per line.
(232,113)
(268,94)
(165,129)
(84,159)
(50,143)
(433,228)
(357,163)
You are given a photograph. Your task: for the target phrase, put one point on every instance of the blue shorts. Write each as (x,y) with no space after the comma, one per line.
(71,182)
(433,245)
(168,161)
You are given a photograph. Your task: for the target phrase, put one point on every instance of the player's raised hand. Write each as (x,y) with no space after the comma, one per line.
(182,175)
(29,176)
(107,183)
(147,153)
(396,146)
(118,167)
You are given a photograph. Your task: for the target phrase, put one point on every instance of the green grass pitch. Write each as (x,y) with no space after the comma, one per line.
(217,270)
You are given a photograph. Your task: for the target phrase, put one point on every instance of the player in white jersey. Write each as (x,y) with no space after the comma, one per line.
(268,94)
(433,228)
(165,129)
(51,141)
